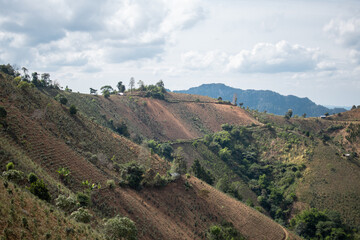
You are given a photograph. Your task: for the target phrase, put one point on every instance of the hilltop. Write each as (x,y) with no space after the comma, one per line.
(263,100)
(75,156)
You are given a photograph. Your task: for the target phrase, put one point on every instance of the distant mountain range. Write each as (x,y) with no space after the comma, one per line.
(263,100)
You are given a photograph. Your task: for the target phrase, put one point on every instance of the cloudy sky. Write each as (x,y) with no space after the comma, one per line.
(308,48)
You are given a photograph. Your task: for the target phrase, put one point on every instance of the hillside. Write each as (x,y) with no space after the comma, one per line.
(69,150)
(263,100)
(180,116)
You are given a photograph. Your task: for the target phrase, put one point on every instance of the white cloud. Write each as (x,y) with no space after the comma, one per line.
(60,30)
(195,60)
(263,58)
(346,32)
(274,58)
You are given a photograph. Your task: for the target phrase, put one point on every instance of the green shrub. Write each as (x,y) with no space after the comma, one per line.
(63,172)
(83,199)
(40,190)
(9,166)
(25,85)
(110,184)
(81,215)
(73,110)
(133,175)
(120,228)
(159,181)
(68,204)
(32,178)
(3,112)
(14,175)
(63,100)
(225,231)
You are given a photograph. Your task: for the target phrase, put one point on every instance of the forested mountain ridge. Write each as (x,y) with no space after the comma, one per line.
(263,100)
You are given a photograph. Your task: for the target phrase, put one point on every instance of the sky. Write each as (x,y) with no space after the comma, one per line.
(307,48)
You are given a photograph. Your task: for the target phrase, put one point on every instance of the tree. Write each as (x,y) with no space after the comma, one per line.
(40,190)
(131,83)
(141,85)
(120,228)
(201,173)
(26,76)
(8,69)
(120,87)
(160,84)
(327,114)
(133,175)
(179,163)
(73,110)
(304,115)
(106,90)
(35,79)
(288,114)
(353,107)
(45,79)
(93,91)
(63,100)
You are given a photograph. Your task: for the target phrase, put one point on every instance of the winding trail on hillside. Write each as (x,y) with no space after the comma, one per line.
(286,233)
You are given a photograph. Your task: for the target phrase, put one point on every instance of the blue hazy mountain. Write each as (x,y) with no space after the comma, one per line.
(263,100)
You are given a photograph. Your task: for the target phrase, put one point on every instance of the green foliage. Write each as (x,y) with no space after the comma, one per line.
(63,172)
(132,174)
(68,204)
(353,131)
(120,87)
(315,224)
(122,129)
(10,166)
(179,164)
(201,173)
(240,149)
(166,150)
(106,91)
(120,228)
(155,91)
(288,114)
(40,190)
(32,178)
(24,85)
(224,231)
(83,199)
(3,112)
(73,109)
(81,215)
(13,175)
(160,181)
(110,184)
(8,69)
(62,99)
(225,154)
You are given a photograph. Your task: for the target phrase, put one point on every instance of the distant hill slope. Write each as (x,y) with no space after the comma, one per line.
(180,116)
(263,100)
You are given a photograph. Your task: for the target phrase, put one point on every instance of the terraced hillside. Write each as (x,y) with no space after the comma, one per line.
(180,116)
(41,136)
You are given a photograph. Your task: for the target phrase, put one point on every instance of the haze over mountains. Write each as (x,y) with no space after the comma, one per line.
(263,100)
